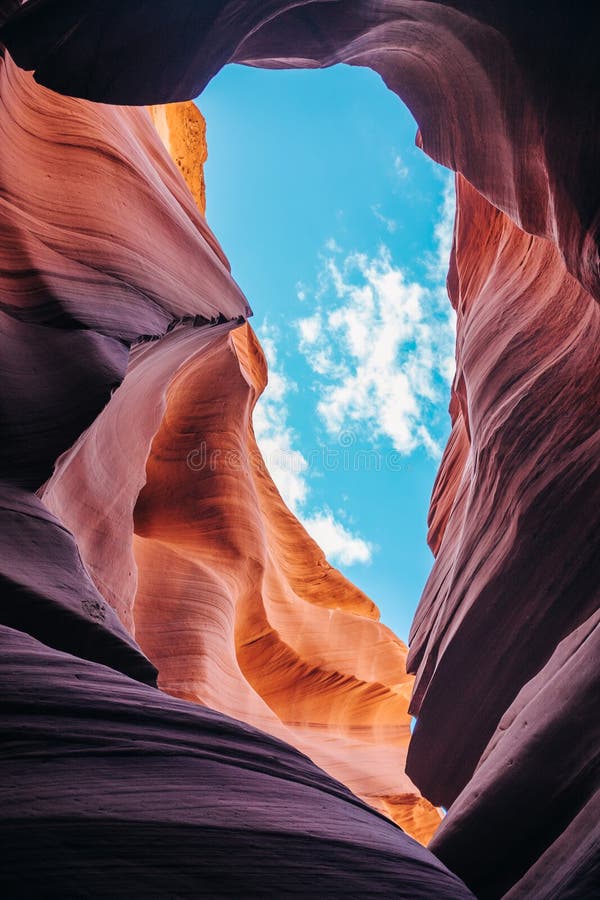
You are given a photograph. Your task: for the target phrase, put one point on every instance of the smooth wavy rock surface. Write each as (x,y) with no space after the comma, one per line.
(224,590)
(110,788)
(80,279)
(508,622)
(263,627)
(121,790)
(504,641)
(47,592)
(505,93)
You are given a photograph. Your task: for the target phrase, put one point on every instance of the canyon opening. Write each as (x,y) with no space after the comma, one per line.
(195,701)
(338,229)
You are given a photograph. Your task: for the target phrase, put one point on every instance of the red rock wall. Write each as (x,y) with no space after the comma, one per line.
(515,529)
(223,589)
(132,778)
(506,94)
(503,641)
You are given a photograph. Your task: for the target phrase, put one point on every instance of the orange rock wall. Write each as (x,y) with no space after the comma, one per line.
(222,587)
(182,130)
(237,606)
(505,642)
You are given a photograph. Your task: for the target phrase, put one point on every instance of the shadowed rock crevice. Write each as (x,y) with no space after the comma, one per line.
(98,227)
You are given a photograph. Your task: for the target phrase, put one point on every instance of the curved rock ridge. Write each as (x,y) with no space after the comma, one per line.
(95,484)
(80,279)
(263,628)
(231,573)
(111,788)
(513,595)
(46,590)
(223,588)
(504,641)
(505,94)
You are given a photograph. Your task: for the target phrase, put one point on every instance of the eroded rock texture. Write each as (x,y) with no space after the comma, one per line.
(141,794)
(110,788)
(182,130)
(234,603)
(504,641)
(515,526)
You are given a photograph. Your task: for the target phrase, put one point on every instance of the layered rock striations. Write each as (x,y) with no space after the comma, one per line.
(506,94)
(111,788)
(504,641)
(141,793)
(80,280)
(515,528)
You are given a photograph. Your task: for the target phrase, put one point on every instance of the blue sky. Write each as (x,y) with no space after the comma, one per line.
(338,230)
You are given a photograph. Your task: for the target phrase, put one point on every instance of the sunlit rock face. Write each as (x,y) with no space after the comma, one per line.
(506,94)
(142,793)
(224,590)
(237,606)
(504,641)
(182,130)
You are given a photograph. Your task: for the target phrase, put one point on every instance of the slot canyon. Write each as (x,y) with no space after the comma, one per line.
(195,702)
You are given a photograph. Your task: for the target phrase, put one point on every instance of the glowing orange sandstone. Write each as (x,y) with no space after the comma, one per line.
(222,587)
(237,606)
(182,130)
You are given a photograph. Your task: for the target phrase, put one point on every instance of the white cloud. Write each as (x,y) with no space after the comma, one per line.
(444,232)
(382,344)
(390,224)
(332,245)
(289,468)
(336,541)
(400,168)
(381,347)
(300,291)
(309,329)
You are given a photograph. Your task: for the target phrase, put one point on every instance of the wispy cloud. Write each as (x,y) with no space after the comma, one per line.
(443,233)
(382,344)
(400,168)
(390,224)
(289,467)
(332,245)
